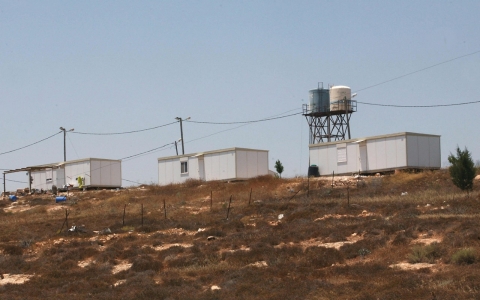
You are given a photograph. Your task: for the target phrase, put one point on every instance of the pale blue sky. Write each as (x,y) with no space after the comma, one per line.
(110,66)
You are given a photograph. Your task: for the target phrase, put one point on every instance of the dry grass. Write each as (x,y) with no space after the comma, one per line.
(254,254)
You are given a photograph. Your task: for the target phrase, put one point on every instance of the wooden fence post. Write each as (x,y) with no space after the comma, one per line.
(211,199)
(308,186)
(348,195)
(358,178)
(123,220)
(142,214)
(165,209)
(333,177)
(250,199)
(228,210)
(66,217)
(65,221)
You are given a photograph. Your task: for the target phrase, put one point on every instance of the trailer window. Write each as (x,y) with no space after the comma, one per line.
(184,167)
(49,174)
(342,154)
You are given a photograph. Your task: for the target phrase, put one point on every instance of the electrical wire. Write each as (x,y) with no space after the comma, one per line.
(145,152)
(242,122)
(31,144)
(417,71)
(132,181)
(420,106)
(125,132)
(206,136)
(166,145)
(15,181)
(70,140)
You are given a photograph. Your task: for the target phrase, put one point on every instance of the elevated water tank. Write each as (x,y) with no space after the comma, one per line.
(340,97)
(319,101)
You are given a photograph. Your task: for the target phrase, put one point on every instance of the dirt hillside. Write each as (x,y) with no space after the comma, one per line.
(402,236)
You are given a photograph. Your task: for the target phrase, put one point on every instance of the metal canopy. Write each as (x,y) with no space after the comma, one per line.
(34,168)
(30,170)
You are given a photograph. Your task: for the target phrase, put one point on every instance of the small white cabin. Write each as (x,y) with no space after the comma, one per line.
(96,172)
(225,164)
(405,150)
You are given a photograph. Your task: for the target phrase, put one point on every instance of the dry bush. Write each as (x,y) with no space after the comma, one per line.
(299,215)
(401,239)
(173,251)
(425,253)
(285,255)
(68,264)
(464,256)
(182,261)
(366,246)
(233,224)
(258,252)
(320,257)
(12,249)
(13,264)
(192,183)
(335,237)
(146,262)
(304,230)
(212,232)
(111,253)
(409,212)
(40,201)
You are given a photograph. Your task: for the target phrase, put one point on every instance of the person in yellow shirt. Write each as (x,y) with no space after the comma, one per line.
(80,182)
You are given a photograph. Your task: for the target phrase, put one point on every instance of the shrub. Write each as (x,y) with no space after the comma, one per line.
(279,167)
(13,250)
(426,254)
(462,169)
(320,257)
(144,263)
(464,256)
(369,244)
(400,239)
(68,264)
(192,183)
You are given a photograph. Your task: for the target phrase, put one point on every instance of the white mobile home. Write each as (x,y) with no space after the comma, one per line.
(225,164)
(405,150)
(96,172)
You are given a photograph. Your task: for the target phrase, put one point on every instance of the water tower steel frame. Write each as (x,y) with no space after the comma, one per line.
(328,126)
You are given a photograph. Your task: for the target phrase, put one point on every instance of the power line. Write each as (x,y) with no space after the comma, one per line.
(125,132)
(242,122)
(420,106)
(148,151)
(72,146)
(132,181)
(206,136)
(30,144)
(417,71)
(15,181)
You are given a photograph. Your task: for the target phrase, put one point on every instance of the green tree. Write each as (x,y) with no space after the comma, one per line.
(462,169)
(279,167)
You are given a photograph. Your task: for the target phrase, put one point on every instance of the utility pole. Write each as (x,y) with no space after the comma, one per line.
(65,142)
(181,132)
